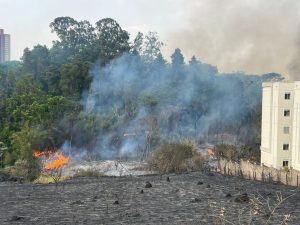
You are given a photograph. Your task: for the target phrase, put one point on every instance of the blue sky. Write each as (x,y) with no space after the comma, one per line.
(255,36)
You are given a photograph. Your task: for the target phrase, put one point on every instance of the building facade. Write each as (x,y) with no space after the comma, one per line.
(4,46)
(280,133)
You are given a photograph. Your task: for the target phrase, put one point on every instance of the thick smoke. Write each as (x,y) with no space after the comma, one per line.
(140,104)
(294,66)
(255,36)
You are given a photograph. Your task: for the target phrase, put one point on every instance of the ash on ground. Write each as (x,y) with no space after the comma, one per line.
(109,168)
(126,200)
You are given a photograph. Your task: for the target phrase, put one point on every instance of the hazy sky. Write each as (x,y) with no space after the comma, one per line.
(255,36)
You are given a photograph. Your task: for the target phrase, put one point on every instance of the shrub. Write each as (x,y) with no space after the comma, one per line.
(176,158)
(29,170)
(227,151)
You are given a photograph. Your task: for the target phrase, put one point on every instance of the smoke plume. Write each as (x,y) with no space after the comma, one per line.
(255,36)
(140,104)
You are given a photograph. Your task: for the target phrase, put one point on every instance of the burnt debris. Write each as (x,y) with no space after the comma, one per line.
(242,198)
(148,185)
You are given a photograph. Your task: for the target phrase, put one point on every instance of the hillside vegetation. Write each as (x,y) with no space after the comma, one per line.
(103,96)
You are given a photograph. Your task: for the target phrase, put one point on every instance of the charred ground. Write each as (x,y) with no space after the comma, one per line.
(192,198)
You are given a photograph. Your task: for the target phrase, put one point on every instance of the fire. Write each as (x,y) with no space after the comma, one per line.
(59,162)
(41,154)
(52,161)
(38,154)
(210,152)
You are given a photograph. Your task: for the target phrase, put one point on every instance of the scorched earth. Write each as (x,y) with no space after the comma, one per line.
(191,198)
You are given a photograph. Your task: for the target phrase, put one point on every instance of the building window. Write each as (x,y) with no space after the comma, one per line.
(286,112)
(285,163)
(285,147)
(287,96)
(286,130)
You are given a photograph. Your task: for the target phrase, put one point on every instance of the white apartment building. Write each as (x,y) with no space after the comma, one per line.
(280,133)
(4,46)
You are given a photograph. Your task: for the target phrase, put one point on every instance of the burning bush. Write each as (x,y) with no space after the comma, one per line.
(176,158)
(229,152)
(53,163)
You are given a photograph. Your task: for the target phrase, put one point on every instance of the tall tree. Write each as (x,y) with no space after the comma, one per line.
(36,61)
(74,37)
(112,40)
(26,104)
(75,78)
(177,58)
(137,46)
(52,78)
(152,47)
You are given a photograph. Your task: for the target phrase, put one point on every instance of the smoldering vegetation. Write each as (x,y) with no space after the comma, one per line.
(139,104)
(97,95)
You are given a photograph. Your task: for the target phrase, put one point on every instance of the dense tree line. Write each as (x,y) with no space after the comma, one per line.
(51,96)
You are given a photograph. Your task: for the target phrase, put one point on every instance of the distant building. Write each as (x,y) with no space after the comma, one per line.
(280,133)
(4,46)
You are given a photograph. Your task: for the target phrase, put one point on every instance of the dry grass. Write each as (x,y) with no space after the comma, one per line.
(48,179)
(176,158)
(24,169)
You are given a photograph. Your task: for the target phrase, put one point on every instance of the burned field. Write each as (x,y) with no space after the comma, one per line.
(192,198)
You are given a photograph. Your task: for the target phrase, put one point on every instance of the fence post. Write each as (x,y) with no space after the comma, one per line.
(297,180)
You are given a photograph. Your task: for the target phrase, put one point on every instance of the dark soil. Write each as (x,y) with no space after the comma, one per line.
(4,176)
(124,200)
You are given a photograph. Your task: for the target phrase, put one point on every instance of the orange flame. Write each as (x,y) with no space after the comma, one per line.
(210,152)
(38,154)
(59,162)
(41,154)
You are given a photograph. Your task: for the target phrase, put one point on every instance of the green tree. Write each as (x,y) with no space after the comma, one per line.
(112,41)
(26,103)
(52,78)
(24,143)
(137,46)
(35,62)
(75,78)
(74,37)
(152,47)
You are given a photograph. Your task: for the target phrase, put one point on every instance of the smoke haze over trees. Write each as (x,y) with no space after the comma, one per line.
(253,36)
(99,94)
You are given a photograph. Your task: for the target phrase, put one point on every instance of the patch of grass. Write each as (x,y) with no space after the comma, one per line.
(28,170)
(88,173)
(177,158)
(48,179)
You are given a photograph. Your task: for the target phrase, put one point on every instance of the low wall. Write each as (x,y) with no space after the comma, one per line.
(252,171)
